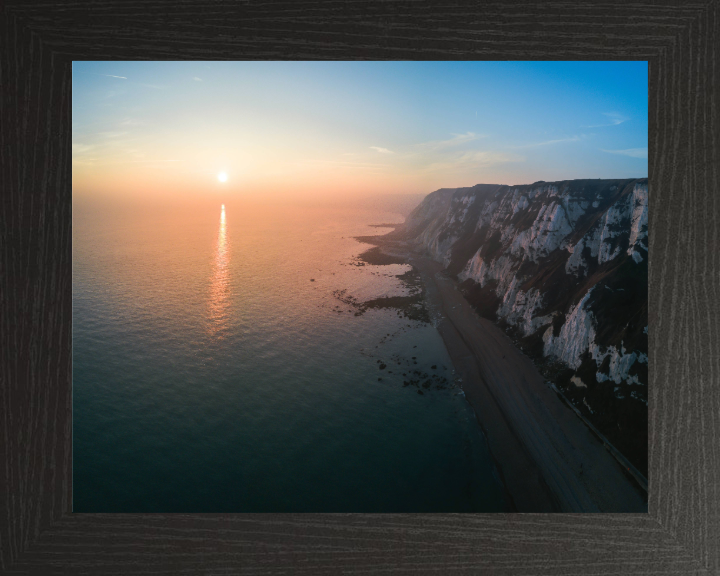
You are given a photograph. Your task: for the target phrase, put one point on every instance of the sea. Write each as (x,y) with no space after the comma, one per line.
(215,369)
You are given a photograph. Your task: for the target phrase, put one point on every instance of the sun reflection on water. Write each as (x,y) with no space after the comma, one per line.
(219,287)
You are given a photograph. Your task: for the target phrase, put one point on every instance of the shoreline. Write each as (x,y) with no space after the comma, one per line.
(547,458)
(524,486)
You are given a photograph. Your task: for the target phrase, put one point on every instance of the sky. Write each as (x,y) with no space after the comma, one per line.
(347,129)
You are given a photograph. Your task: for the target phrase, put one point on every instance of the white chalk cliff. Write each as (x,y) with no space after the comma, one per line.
(564,263)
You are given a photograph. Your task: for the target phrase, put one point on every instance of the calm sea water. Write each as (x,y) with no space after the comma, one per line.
(211,374)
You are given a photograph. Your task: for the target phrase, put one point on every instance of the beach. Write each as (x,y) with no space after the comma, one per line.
(548,459)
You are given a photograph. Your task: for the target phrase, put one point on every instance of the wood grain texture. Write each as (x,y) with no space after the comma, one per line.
(39,535)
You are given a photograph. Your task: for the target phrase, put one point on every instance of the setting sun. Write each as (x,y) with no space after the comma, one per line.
(222,177)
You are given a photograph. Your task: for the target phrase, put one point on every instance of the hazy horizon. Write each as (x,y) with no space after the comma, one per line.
(320,131)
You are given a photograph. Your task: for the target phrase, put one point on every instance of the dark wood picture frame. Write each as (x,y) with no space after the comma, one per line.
(38,532)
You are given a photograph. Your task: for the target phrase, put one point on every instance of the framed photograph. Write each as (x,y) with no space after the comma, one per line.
(280,296)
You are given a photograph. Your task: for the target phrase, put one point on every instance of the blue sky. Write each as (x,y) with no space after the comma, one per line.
(347,128)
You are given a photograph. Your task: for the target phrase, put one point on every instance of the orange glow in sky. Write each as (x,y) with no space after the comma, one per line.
(338,129)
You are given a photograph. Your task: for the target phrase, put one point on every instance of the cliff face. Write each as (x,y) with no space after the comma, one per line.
(562,266)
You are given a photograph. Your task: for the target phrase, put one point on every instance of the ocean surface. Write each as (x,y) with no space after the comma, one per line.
(215,370)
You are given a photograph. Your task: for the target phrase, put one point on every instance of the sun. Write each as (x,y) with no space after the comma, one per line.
(222,177)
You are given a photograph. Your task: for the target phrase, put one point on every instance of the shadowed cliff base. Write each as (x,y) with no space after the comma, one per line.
(547,458)
(562,268)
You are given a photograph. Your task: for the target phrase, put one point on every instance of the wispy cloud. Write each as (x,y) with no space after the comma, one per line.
(632,152)
(111,76)
(130,122)
(197,79)
(613,120)
(456,140)
(315,162)
(83,154)
(381,150)
(548,142)
(111,134)
(340,163)
(81,148)
(474,159)
(343,165)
